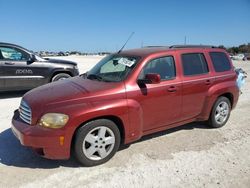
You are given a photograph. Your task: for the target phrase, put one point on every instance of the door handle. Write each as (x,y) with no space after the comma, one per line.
(9,63)
(207,82)
(172,89)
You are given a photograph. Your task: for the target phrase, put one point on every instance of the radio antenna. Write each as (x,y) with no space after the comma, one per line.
(126,42)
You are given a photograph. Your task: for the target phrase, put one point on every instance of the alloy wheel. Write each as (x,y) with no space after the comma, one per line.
(98,143)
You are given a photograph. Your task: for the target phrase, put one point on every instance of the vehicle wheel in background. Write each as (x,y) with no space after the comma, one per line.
(60,76)
(220,112)
(96,142)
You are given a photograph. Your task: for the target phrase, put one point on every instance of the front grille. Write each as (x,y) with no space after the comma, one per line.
(25,112)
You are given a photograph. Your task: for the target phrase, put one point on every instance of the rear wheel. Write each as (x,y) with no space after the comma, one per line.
(60,76)
(220,112)
(96,142)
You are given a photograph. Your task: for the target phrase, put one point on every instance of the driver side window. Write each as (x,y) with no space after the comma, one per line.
(12,54)
(163,66)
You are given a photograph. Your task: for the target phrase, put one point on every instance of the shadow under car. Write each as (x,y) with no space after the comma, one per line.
(12,153)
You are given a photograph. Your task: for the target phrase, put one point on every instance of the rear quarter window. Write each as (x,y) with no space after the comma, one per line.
(220,61)
(194,64)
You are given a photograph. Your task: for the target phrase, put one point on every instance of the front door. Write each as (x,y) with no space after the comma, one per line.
(160,103)
(19,73)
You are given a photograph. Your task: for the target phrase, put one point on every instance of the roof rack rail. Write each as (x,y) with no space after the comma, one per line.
(155,46)
(192,46)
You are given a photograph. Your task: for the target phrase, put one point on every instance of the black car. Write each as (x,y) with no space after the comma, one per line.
(21,69)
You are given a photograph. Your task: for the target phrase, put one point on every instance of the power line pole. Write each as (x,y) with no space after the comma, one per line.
(185,40)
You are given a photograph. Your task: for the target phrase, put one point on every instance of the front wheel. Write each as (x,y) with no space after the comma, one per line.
(60,76)
(96,142)
(220,112)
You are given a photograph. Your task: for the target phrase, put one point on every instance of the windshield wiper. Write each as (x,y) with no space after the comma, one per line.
(94,77)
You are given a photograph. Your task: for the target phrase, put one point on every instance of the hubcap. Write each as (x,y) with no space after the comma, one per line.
(63,78)
(98,143)
(221,112)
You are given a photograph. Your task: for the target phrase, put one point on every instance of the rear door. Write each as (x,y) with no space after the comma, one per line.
(196,81)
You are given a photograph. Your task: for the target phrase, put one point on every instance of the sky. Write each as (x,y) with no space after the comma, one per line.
(105,25)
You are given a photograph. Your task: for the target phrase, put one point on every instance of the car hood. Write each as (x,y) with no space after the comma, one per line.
(71,90)
(60,61)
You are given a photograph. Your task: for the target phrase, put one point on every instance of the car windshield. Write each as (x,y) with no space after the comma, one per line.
(113,68)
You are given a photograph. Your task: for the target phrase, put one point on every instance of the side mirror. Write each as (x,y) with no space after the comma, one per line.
(32,58)
(151,79)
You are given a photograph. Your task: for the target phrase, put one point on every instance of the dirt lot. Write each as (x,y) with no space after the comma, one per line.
(189,156)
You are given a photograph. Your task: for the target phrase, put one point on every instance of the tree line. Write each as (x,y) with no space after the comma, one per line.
(243,48)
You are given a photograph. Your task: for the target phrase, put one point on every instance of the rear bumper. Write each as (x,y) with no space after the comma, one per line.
(46,142)
(236,98)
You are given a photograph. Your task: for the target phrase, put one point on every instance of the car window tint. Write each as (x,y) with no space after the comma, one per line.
(220,61)
(163,66)
(14,54)
(194,64)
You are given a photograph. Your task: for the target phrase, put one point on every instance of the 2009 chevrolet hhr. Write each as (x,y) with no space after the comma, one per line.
(125,96)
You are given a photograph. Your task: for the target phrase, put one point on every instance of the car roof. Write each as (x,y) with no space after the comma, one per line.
(13,45)
(9,44)
(148,50)
(145,51)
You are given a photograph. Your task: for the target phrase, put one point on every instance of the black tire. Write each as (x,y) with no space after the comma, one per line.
(80,143)
(60,76)
(212,119)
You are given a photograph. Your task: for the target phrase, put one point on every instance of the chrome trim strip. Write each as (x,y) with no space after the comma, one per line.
(14,77)
(25,109)
(25,112)
(25,119)
(24,103)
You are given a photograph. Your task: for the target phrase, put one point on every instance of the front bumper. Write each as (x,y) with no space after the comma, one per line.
(75,72)
(46,142)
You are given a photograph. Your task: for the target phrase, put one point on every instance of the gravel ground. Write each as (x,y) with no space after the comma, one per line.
(189,156)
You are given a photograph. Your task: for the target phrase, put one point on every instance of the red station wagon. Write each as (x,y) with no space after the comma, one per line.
(125,96)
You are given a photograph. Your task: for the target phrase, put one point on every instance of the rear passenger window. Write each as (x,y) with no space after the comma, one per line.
(220,61)
(194,64)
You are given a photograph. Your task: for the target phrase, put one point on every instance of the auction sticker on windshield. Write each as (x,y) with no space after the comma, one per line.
(126,61)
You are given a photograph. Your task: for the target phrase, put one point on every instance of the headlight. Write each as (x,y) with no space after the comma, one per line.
(75,67)
(53,120)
